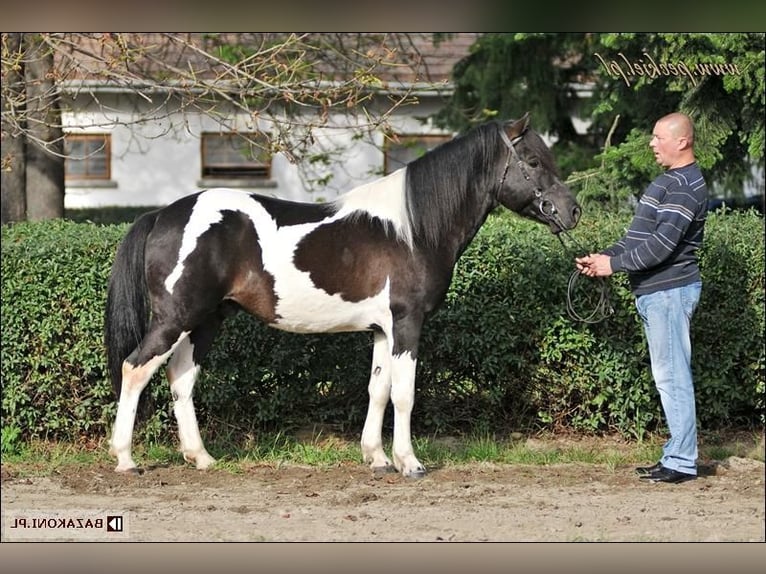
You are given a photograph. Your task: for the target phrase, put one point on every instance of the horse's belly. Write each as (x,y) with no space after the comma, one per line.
(311,310)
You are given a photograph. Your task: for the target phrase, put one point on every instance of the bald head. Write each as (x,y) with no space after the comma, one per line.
(679,126)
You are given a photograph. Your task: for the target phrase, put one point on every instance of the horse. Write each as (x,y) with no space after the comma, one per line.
(379,258)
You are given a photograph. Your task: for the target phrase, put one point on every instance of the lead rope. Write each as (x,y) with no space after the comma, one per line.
(602,307)
(599,298)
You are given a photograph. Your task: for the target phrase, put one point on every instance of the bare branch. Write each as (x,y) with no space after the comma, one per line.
(294,83)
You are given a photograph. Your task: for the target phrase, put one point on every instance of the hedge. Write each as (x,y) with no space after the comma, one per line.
(500,355)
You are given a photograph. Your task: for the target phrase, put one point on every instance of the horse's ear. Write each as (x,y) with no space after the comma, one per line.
(517,128)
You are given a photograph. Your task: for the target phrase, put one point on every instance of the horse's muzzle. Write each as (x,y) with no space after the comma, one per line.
(563,220)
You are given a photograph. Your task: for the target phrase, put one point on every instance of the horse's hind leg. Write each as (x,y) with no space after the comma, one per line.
(182,372)
(380,391)
(136,374)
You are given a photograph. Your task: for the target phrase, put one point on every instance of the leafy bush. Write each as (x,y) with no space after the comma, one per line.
(501,354)
(54,288)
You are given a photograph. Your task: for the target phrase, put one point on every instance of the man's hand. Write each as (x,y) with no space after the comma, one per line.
(594,265)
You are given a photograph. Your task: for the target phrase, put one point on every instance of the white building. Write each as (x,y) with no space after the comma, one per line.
(128,147)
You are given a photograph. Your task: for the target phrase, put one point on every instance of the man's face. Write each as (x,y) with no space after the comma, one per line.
(664,144)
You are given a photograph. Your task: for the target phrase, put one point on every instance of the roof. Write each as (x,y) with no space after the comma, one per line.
(259,58)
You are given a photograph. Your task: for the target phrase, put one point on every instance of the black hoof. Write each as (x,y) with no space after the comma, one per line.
(387,469)
(416,474)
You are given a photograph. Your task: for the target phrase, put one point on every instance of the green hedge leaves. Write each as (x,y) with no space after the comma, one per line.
(500,355)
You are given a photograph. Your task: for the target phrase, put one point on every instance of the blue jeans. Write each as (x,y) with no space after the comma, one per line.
(666,316)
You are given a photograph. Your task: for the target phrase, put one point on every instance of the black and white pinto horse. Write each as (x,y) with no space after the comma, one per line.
(379,258)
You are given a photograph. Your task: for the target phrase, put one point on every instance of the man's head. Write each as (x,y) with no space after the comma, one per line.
(673,140)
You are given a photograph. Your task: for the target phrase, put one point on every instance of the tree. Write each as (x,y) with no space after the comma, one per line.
(14,201)
(717,78)
(44,135)
(294,81)
(506,75)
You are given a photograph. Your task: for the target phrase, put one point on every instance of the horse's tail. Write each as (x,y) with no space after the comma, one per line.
(127,299)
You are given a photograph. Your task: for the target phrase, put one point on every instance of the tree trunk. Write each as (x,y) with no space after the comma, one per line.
(14,205)
(45,138)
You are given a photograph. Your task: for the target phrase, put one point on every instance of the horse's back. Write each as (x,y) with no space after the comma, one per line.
(297,266)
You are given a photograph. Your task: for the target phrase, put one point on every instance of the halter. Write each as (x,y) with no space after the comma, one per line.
(603,307)
(547,208)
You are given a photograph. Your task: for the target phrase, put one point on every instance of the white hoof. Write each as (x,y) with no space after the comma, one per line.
(124,460)
(410,467)
(378,461)
(127,468)
(202,460)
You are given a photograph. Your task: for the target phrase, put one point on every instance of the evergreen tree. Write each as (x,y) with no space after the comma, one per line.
(718,79)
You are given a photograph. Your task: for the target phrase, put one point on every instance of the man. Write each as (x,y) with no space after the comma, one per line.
(659,253)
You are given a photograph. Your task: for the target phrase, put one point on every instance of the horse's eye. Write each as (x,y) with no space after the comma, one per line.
(534,162)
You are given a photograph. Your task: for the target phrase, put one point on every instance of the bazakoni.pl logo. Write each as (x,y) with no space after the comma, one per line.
(112,523)
(63,524)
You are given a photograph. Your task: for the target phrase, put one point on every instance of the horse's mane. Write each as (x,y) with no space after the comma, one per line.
(444,182)
(440,182)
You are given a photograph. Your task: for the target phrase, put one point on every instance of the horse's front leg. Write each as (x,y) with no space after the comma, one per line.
(403,398)
(379,390)
(403,366)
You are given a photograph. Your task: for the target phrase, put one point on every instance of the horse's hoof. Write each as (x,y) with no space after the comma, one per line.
(205,464)
(131,470)
(385,469)
(416,474)
(201,460)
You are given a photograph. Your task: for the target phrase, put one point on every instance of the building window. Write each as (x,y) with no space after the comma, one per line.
(236,155)
(408,147)
(88,156)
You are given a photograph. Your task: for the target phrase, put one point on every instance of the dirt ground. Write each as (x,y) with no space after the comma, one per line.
(479,502)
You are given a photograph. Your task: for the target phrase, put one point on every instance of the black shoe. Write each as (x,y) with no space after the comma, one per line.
(668,475)
(647,470)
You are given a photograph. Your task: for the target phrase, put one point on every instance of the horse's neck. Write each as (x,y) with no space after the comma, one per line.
(459,237)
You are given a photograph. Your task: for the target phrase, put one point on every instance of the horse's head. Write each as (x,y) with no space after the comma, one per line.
(529,183)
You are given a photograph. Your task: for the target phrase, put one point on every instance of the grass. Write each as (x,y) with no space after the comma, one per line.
(318,449)
(534,451)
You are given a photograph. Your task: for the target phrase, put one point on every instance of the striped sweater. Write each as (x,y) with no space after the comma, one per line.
(659,251)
